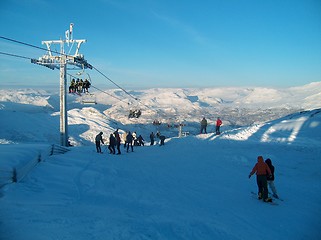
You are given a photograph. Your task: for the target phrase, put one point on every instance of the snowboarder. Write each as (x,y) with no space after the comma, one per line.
(261,169)
(99,139)
(218,125)
(152,138)
(112,143)
(203,125)
(117,141)
(270,178)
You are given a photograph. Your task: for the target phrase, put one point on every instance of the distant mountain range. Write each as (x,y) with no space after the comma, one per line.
(237,107)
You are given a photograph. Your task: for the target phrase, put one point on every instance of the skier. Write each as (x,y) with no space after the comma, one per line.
(203,125)
(124,137)
(135,138)
(261,168)
(112,143)
(117,141)
(80,85)
(270,179)
(218,125)
(86,86)
(140,140)
(162,140)
(129,141)
(76,86)
(152,137)
(72,86)
(99,139)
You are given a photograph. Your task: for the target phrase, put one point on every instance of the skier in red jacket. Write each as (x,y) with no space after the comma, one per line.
(218,125)
(261,169)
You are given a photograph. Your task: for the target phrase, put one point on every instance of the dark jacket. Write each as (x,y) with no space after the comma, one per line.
(117,137)
(152,136)
(129,138)
(112,140)
(204,122)
(269,163)
(99,138)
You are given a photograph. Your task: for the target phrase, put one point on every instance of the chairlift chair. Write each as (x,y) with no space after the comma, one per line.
(134,113)
(88,99)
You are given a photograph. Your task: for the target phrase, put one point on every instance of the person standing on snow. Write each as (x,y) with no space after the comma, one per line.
(117,141)
(162,140)
(124,137)
(99,139)
(270,178)
(152,138)
(112,143)
(218,125)
(129,141)
(261,169)
(140,140)
(158,134)
(203,125)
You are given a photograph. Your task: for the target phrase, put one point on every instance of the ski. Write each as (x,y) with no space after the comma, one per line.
(276,198)
(254,195)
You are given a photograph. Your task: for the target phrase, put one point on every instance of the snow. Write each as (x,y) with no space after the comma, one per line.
(194,187)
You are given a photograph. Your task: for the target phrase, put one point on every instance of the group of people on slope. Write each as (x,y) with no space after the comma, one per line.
(79,86)
(217,125)
(264,177)
(114,142)
(264,170)
(159,136)
(130,139)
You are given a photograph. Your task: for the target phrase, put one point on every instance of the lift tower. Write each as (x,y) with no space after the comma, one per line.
(61,60)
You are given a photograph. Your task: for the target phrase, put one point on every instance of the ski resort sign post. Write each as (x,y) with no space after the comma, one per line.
(61,60)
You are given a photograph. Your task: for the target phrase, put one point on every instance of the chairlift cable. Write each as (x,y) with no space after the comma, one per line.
(45,49)
(115,83)
(101,90)
(15,55)
(109,94)
(30,45)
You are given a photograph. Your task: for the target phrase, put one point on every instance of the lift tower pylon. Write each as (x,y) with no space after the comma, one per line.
(61,60)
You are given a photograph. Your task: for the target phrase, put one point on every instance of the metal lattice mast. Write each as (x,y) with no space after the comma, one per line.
(61,61)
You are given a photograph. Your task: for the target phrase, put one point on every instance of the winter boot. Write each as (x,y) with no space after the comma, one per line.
(260,196)
(268,199)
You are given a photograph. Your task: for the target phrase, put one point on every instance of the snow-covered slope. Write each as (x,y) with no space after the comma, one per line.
(195,187)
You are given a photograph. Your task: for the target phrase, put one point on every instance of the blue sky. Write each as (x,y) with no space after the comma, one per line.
(165,43)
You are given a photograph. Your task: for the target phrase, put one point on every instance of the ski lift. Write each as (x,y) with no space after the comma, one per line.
(87,98)
(175,123)
(157,122)
(134,112)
